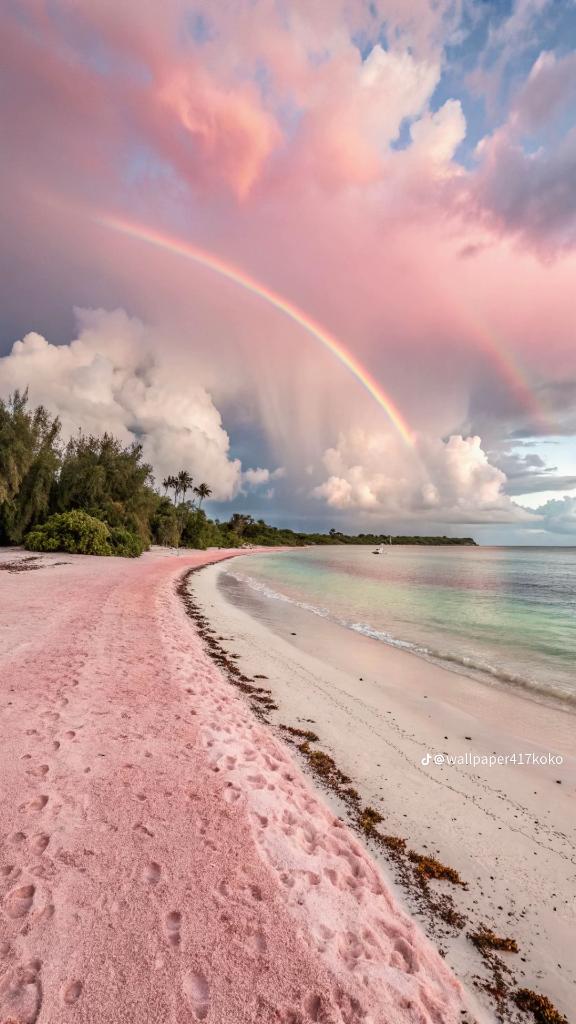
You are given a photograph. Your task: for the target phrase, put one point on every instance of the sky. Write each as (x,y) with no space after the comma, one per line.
(320,253)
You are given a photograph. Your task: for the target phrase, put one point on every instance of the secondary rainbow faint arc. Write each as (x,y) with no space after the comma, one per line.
(508,367)
(515,376)
(239,277)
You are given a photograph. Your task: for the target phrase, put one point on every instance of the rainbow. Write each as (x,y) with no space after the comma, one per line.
(227,270)
(507,366)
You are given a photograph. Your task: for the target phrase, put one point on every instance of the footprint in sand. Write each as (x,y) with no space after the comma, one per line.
(145,831)
(21,994)
(313,1007)
(19,901)
(47,913)
(232,794)
(257,781)
(52,715)
(332,877)
(8,870)
(37,804)
(404,957)
(39,843)
(72,992)
(173,922)
(151,873)
(40,771)
(197,994)
(351,949)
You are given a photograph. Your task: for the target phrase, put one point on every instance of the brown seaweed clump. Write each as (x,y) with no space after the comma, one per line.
(429,867)
(485,939)
(539,1006)
(302,734)
(396,843)
(324,766)
(368,820)
(21,564)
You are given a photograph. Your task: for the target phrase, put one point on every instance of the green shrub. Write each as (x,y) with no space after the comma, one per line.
(75,532)
(200,532)
(125,543)
(78,533)
(166,524)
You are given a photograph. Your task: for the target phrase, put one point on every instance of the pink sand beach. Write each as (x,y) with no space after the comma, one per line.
(163,858)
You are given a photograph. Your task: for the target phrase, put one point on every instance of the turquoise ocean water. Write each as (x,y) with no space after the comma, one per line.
(505,615)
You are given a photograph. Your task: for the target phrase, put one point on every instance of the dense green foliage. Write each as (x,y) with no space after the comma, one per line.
(81,534)
(111,482)
(96,496)
(125,543)
(29,460)
(92,496)
(75,532)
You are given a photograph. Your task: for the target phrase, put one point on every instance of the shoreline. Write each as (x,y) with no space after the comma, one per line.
(376,711)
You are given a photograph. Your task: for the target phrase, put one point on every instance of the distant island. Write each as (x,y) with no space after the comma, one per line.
(258,532)
(96,496)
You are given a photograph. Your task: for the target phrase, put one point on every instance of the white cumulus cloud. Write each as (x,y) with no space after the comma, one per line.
(437,135)
(117,376)
(450,480)
(258,476)
(559,515)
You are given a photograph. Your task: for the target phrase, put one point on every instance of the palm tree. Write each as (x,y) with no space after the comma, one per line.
(239,522)
(171,483)
(185,482)
(201,492)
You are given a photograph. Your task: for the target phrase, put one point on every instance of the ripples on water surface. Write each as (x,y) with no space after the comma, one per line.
(508,614)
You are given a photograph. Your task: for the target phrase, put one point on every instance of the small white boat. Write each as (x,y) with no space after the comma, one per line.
(379,550)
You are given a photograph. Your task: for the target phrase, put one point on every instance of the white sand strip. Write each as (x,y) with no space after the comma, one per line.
(508,830)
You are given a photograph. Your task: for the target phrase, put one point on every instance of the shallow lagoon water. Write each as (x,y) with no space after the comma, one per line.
(507,615)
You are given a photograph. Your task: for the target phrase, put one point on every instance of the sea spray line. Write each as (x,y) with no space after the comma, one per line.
(232,273)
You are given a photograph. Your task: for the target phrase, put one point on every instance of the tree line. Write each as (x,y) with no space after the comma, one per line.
(92,493)
(96,495)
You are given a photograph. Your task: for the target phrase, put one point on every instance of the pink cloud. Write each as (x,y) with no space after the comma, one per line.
(549,88)
(523,187)
(211,134)
(270,144)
